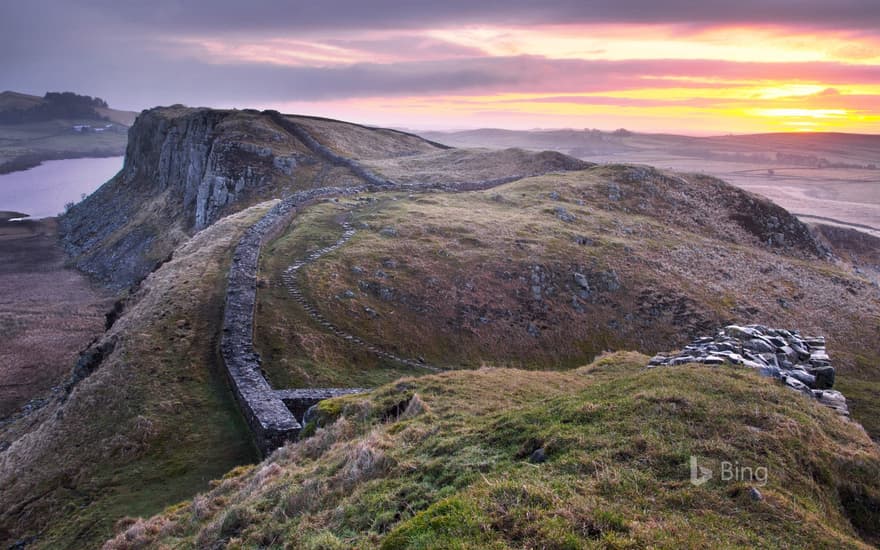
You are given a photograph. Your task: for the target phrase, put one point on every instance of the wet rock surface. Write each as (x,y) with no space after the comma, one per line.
(799,362)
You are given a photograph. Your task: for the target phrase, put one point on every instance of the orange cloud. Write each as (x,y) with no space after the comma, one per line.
(651,77)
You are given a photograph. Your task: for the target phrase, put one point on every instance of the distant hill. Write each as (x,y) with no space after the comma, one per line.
(812,149)
(14,100)
(18,108)
(825,175)
(59,125)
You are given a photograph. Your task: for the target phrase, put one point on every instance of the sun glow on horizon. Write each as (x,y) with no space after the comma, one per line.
(711,80)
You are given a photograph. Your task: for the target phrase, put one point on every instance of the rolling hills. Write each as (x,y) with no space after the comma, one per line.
(515,271)
(821,176)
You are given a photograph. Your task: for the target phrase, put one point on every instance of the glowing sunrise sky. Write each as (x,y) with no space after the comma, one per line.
(678,66)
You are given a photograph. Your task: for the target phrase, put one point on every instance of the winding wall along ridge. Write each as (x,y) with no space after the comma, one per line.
(323,151)
(269,419)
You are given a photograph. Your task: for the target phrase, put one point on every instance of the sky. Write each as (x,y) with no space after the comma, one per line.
(695,67)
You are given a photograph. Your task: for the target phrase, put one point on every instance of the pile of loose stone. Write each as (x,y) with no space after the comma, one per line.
(800,362)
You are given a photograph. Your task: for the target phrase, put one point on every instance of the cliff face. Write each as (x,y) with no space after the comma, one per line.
(209,159)
(184,170)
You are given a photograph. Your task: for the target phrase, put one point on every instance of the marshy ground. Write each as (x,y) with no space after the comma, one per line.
(48,312)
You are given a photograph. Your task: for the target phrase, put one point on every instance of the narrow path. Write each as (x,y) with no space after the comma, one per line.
(290,282)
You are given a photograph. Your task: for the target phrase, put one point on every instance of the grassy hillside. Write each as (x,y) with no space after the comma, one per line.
(150,426)
(518,286)
(449,461)
(447,166)
(18,100)
(362,142)
(152,421)
(821,176)
(547,272)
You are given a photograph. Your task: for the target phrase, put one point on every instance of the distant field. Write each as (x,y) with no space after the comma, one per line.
(24,146)
(821,177)
(58,126)
(847,196)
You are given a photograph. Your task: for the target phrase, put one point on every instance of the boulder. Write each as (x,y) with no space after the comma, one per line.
(759,345)
(804,377)
(539,456)
(796,384)
(742,333)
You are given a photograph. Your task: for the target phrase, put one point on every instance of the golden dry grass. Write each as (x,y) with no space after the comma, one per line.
(150,426)
(617,440)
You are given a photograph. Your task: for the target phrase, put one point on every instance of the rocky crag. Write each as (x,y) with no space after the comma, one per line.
(799,362)
(186,168)
(625,237)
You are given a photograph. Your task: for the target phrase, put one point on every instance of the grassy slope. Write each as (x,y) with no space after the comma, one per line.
(450,468)
(461,283)
(151,426)
(362,142)
(296,351)
(471,165)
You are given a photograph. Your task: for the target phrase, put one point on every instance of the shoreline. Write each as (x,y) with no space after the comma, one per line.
(27,161)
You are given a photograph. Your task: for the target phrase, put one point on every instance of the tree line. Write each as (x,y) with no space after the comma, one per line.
(57,105)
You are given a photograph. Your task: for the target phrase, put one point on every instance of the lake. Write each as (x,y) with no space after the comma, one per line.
(43,191)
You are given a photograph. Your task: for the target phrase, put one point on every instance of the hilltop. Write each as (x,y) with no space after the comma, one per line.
(186,168)
(821,176)
(58,126)
(510,268)
(147,407)
(588,458)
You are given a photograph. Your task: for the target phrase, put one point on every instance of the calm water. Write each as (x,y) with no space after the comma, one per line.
(43,191)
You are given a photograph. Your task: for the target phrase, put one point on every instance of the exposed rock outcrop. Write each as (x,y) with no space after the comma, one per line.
(800,362)
(184,169)
(711,207)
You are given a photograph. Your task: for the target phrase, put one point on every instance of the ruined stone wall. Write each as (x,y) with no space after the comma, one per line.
(319,149)
(270,420)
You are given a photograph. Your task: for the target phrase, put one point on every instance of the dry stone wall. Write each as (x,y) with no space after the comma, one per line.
(321,150)
(799,362)
(270,420)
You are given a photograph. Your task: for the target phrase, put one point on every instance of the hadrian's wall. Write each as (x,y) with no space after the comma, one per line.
(270,420)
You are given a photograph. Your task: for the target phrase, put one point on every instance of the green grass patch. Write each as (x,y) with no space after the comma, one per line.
(617,440)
